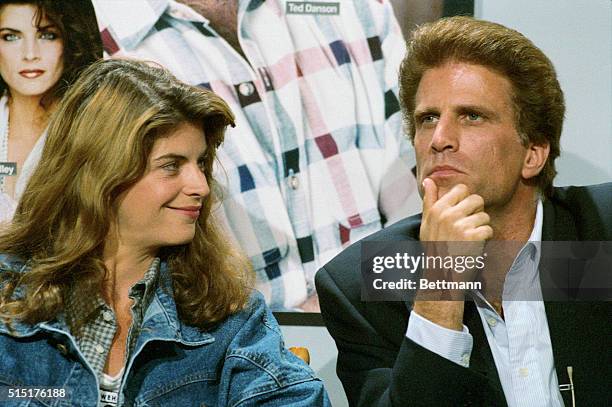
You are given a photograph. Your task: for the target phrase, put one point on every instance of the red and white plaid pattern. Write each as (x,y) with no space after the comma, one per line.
(318,158)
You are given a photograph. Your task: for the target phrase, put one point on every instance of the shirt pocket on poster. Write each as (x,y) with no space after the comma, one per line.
(358,226)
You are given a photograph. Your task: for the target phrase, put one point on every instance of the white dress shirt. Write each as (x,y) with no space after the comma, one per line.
(520,344)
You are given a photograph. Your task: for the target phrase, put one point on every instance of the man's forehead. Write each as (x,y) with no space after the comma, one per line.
(463,83)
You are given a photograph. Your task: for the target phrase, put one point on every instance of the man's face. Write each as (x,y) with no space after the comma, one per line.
(465,132)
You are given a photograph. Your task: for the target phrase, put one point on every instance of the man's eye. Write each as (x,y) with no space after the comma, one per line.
(10,37)
(48,35)
(474,117)
(427,119)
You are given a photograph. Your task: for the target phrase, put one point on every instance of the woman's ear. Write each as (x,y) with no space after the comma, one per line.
(535,159)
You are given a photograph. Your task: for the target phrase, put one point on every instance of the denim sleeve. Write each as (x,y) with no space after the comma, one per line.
(259,371)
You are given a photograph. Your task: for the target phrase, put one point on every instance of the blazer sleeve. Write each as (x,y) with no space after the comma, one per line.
(379,366)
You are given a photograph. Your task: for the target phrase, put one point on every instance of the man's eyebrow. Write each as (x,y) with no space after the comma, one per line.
(463,109)
(425,111)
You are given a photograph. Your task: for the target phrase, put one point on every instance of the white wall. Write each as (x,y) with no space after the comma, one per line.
(323,357)
(577,36)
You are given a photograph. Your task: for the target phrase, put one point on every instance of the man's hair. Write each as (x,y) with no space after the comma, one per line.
(76,22)
(98,146)
(537,97)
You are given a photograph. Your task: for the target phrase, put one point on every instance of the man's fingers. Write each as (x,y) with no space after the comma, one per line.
(455,216)
(472,204)
(484,232)
(474,221)
(457,194)
(430,194)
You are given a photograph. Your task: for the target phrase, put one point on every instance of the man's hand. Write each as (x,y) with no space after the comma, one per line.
(457,216)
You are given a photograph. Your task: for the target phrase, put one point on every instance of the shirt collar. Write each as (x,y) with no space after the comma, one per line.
(128,31)
(536,232)
(117,17)
(533,246)
(80,309)
(130,22)
(145,288)
(520,281)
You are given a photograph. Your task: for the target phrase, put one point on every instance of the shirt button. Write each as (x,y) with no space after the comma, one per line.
(465,359)
(246,88)
(492,322)
(99,349)
(294,182)
(107,316)
(62,349)
(523,372)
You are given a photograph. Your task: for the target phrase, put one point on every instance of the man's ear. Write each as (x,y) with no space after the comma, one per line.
(536,157)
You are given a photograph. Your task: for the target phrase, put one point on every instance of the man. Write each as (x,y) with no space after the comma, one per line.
(485,112)
(317,156)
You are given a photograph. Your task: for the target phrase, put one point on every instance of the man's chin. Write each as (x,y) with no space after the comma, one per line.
(445,185)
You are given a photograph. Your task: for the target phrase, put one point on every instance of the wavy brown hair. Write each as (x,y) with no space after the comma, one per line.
(98,145)
(539,105)
(76,22)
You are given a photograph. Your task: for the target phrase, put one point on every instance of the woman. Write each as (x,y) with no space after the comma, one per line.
(43,46)
(115,272)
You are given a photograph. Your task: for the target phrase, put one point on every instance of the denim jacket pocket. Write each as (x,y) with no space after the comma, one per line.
(194,389)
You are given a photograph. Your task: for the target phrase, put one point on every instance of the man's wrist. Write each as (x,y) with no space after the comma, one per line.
(448,314)
(450,344)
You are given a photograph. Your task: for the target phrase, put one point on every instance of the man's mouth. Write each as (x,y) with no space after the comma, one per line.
(444,171)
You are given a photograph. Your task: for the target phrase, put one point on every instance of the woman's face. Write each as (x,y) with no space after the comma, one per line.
(162,208)
(30,57)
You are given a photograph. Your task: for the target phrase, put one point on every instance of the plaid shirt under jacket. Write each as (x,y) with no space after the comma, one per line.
(318,158)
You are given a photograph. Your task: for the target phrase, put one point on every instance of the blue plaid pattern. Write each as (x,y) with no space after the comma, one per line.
(98,324)
(318,158)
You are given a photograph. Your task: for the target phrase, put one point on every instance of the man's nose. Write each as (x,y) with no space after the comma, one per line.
(445,136)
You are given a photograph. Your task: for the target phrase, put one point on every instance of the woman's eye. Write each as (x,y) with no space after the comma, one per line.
(10,37)
(48,35)
(171,166)
(202,165)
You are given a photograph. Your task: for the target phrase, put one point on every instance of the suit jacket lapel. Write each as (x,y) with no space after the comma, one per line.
(558,225)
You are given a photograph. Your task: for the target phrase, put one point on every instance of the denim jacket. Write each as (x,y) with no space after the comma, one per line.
(240,362)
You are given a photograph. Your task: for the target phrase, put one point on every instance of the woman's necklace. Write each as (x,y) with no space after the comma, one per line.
(4,154)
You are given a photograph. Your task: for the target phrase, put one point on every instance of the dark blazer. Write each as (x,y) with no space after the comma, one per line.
(379,366)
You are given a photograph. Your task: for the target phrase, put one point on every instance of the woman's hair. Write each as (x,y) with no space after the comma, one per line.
(76,21)
(99,143)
